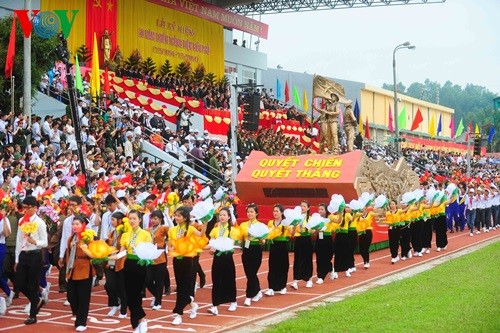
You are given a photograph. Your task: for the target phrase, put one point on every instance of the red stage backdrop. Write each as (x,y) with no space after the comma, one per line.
(101,15)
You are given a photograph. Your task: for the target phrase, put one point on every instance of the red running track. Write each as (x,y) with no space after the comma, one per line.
(55,317)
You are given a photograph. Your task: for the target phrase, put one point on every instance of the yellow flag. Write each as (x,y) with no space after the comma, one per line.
(304,100)
(476,132)
(95,80)
(432,127)
(360,126)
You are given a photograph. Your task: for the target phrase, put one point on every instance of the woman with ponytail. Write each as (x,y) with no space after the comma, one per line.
(342,261)
(303,250)
(324,247)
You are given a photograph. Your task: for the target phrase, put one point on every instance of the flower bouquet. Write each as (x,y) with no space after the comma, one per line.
(203,210)
(381,202)
(182,247)
(97,250)
(356,205)
(292,216)
(337,204)
(51,217)
(367,198)
(258,230)
(316,222)
(408,198)
(147,253)
(124,227)
(223,245)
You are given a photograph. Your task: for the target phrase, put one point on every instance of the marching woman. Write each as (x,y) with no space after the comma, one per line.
(440,225)
(115,279)
(404,241)
(427,224)
(279,237)
(135,274)
(353,240)
(223,269)
(342,260)
(393,220)
(157,272)
(183,265)
(251,257)
(324,247)
(303,250)
(79,274)
(364,229)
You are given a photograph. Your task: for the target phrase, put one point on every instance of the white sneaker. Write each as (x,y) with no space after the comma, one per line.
(143,326)
(66,303)
(156,307)
(393,261)
(232,307)
(194,310)
(27,308)
(444,248)
(353,269)
(347,273)
(122,316)
(438,249)
(113,311)
(45,295)
(213,310)
(248,302)
(478,232)
(424,250)
(294,285)
(3,306)
(397,258)
(318,281)
(403,258)
(428,251)
(152,302)
(8,300)
(309,284)
(269,292)
(257,297)
(471,234)
(367,265)
(283,291)
(409,255)
(419,254)
(81,328)
(333,275)
(177,320)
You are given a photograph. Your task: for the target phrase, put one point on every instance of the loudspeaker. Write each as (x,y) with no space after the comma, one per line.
(251,112)
(477,145)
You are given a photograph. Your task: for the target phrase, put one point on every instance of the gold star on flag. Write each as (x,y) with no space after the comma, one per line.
(110,5)
(97,3)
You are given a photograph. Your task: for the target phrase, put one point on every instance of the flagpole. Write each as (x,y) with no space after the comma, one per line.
(468,155)
(27,71)
(12,95)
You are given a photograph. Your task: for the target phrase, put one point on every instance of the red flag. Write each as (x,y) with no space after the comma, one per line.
(2,194)
(155,191)
(367,129)
(80,181)
(102,187)
(85,209)
(287,92)
(11,51)
(19,187)
(197,186)
(418,119)
(468,131)
(106,81)
(391,120)
(127,180)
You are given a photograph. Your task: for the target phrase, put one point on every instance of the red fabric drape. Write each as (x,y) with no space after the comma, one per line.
(100,16)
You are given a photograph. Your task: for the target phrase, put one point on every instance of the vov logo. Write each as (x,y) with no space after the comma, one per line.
(46,24)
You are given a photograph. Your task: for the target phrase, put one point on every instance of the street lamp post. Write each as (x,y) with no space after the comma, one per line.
(405,45)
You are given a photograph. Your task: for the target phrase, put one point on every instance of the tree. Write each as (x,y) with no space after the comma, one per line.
(401,87)
(209,78)
(42,59)
(148,66)
(184,69)
(134,61)
(199,74)
(166,68)
(84,54)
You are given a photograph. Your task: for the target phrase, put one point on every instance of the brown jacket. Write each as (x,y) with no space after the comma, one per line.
(159,239)
(82,268)
(120,263)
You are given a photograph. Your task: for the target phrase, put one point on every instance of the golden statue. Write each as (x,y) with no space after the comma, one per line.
(350,123)
(329,123)
(106,45)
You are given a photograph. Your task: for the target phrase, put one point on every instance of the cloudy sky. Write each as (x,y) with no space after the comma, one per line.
(456,40)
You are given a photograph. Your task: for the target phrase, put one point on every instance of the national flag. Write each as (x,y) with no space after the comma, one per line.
(469,131)
(402,119)
(11,50)
(360,126)
(357,111)
(95,82)
(278,89)
(2,194)
(460,128)
(296,97)
(155,191)
(126,180)
(440,126)
(417,121)
(107,89)
(19,187)
(196,186)
(492,133)
(80,181)
(304,99)
(78,76)
(287,92)
(432,127)
(477,132)
(102,187)
(391,120)
(452,127)
(367,129)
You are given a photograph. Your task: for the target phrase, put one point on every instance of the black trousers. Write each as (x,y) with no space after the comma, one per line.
(28,273)
(480,217)
(184,272)
(115,288)
(62,279)
(302,259)
(79,298)
(197,270)
(343,253)
(278,265)
(405,240)
(416,235)
(324,255)
(135,277)
(353,242)
(155,278)
(394,236)
(365,240)
(427,233)
(223,279)
(252,259)
(440,227)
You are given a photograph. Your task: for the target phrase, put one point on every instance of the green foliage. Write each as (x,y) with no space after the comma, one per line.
(199,74)
(148,66)
(223,81)
(134,61)
(210,78)
(42,59)
(184,69)
(84,54)
(166,68)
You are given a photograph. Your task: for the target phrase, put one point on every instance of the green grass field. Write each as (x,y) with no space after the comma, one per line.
(462,295)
